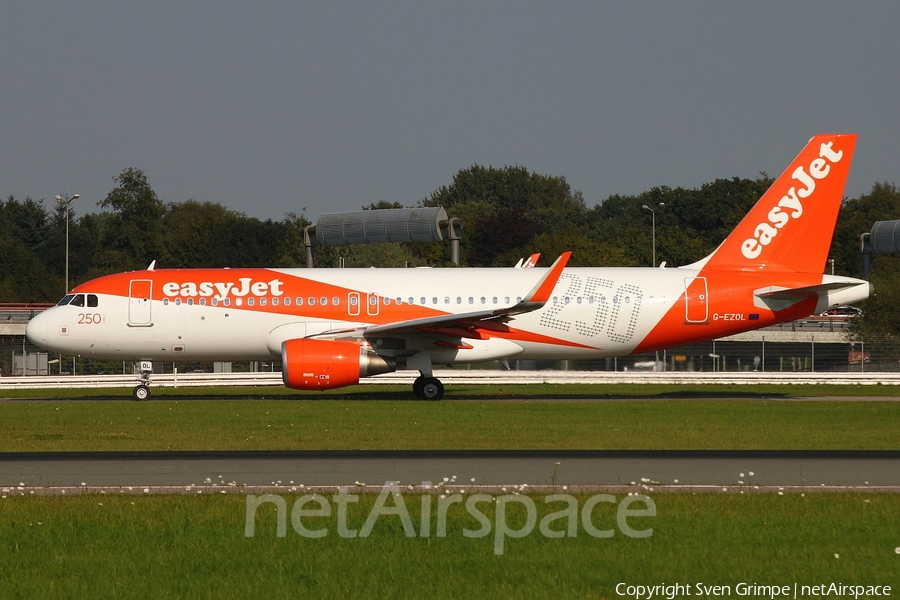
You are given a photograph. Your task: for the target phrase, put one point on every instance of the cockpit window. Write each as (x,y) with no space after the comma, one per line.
(78,300)
(92,300)
(66,299)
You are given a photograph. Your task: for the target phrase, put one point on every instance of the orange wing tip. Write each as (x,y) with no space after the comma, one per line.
(542,291)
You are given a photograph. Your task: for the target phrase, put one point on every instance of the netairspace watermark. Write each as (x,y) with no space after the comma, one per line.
(752,590)
(560,523)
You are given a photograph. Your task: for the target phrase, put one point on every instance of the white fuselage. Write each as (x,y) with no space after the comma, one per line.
(592,312)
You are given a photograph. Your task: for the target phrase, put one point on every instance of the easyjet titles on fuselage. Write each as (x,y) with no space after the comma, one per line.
(222,289)
(764,233)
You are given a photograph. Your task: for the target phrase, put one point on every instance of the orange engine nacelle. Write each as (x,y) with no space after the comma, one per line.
(324,364)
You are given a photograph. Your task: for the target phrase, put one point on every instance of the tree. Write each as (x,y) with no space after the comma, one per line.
(194,234)
(133,236)
(880,319)
(25,272)
(692,223)
(503,210)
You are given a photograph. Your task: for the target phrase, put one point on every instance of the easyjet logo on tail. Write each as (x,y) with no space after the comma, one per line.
(221,289)
(791,206)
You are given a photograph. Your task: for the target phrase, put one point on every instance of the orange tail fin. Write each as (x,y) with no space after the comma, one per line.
(791,226)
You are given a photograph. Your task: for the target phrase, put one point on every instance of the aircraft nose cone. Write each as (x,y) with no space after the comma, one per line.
(36,330)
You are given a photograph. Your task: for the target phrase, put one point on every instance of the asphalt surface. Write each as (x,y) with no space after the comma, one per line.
(739,469)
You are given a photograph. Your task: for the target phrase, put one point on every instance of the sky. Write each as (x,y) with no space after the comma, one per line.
(323,107)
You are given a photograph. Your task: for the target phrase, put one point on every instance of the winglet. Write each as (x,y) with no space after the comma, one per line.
(540,293)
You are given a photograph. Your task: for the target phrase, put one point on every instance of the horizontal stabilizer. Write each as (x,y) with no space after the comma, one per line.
(803,292)
(831,291)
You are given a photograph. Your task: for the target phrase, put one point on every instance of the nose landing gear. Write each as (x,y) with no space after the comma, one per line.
(142,390)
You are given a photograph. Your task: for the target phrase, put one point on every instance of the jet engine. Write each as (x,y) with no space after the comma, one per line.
(310,364)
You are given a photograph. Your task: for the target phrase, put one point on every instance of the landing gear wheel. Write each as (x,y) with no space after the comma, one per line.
(432,389)
(141,392)
(417,387)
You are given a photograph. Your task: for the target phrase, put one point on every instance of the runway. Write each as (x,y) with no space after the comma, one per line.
(236,470)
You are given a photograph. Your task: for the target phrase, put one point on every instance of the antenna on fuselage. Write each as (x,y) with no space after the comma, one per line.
(152,265)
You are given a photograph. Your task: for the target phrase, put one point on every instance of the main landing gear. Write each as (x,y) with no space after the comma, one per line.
(428,388)
(142,390)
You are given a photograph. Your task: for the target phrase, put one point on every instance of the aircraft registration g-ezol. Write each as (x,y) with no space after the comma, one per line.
(330,327)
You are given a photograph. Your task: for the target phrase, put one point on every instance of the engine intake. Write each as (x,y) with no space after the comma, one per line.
(310,364)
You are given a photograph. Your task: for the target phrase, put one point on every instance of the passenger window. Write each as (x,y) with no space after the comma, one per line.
(287,301)
(422,300)
(335,301)
(299,301)
(215,301)
(434,300)
(447,300)
(93,301)
(202,301)
(177,301)
(495,299)
(190,301)
(250,301)
(312,301)
(387,301)
(274,301)
(458,300)
(166,301)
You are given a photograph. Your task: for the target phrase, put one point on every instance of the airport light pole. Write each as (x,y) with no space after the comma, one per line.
(653,230)
(68,202)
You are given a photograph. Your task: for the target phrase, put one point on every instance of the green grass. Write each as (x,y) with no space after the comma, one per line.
(58,425)
(177,546)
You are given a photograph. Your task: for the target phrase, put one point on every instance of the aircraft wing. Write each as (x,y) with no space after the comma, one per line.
(535,299)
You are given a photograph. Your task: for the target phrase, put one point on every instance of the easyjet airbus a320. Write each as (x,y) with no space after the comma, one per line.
(330,327)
